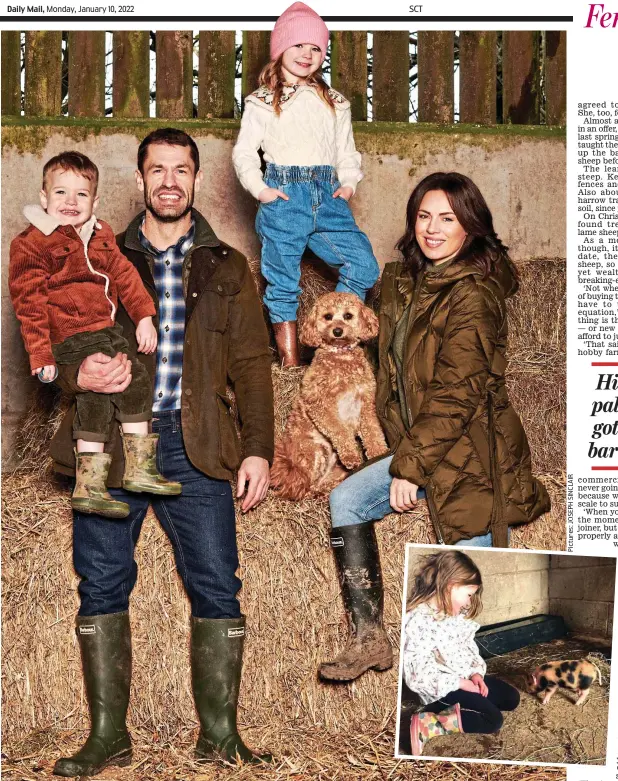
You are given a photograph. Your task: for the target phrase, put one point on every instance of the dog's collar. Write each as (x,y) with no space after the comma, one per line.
(333,348)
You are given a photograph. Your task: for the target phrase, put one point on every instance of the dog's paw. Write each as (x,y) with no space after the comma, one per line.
(351,459)
(373,451)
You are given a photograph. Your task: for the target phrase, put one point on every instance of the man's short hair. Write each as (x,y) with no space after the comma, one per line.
(172,137)
(72,161)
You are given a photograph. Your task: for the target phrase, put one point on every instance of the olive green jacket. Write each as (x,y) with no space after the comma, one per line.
(225,340)
(466,445)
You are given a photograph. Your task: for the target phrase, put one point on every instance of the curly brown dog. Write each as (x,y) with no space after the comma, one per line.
(335,405)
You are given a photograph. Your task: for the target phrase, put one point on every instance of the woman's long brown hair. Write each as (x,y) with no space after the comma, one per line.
(271,76)
(481,248)
(438,573)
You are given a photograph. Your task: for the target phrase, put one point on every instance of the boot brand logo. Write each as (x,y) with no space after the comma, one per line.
(237,632)
(90,629)
(336,542)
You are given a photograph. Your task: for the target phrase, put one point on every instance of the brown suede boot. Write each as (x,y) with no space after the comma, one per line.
(140,470)
(90,494)
(358,561)
(287,343)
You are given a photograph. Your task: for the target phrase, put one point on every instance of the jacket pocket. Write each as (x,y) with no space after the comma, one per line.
(215,304)
(229,450)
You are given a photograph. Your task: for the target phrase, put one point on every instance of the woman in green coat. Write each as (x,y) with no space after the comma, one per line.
(441,397)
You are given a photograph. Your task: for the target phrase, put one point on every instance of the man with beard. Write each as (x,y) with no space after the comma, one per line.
(211,330)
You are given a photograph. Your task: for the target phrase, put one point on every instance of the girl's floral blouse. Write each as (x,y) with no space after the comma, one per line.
(438,650)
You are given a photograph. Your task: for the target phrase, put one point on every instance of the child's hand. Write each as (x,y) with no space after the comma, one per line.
(146,335)
(343,192)
(48,372)
(478,679)
(270,194)
(469,686)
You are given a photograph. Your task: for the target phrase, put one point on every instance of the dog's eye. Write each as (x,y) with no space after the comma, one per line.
(348,316)
(328,316)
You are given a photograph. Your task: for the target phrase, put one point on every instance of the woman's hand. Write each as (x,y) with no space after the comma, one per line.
(478,679)
(344,192)
(468,685)
(270,194)
(146,335)
(48,372)
(402,495)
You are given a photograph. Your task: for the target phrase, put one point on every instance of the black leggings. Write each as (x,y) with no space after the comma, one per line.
(478,713)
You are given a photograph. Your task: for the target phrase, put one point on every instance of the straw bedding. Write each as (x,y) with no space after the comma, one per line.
(290,596)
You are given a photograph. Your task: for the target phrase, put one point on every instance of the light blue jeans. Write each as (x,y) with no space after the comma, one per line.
(311,218)
(364,496)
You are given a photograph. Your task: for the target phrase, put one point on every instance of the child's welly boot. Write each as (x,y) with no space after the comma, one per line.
(428,725)
(90,494)
(140,469)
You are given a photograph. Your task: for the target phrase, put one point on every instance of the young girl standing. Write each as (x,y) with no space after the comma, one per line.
(441,661)
(305,131)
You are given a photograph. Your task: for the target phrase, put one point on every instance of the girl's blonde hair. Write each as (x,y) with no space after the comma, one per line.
(271,76)
(438,573)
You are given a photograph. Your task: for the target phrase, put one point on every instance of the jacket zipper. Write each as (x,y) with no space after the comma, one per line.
(413,305)
(433,514)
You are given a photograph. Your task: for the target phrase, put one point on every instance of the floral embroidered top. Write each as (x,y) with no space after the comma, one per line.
(438,650)
(306,132)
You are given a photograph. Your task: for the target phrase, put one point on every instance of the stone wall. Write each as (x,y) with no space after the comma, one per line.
(582,589)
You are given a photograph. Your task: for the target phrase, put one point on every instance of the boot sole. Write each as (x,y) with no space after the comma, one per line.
(88,507)
(382,664)
(145,488)
(120,760)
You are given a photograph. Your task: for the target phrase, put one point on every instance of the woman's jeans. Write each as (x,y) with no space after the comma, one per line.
(310,218)
(364,496)
(200,523)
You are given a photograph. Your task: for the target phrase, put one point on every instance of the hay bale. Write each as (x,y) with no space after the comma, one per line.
(290,596)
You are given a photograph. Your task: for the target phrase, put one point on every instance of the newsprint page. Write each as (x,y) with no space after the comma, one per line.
(309,389)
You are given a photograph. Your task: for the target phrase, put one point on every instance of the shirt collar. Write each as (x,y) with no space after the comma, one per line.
(180,249)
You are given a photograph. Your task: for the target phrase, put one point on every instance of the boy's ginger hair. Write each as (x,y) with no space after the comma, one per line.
(72,161)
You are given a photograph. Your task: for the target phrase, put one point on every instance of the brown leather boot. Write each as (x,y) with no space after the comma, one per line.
(287,343)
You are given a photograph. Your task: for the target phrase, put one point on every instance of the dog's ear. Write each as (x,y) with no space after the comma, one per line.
(368,324)
(309,333)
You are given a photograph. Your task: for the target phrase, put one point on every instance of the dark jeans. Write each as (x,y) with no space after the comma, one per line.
(200,524)
(478,713)
(95,411)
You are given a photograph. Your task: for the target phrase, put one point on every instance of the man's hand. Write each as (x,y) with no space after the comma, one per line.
(254,471)
(402,495)
(102,374)
(478,679)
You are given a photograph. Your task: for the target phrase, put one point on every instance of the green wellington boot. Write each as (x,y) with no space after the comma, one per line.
(105,643)
(358,562)
(140,470)
(216,662)
(90,494)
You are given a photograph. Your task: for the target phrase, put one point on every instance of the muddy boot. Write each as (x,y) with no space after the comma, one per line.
(90,494)
(140,469)
(427,725)
(105,643)
(287,343)
(358,562)
(216,662)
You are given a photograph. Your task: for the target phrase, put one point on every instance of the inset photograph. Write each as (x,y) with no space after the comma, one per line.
(505,655)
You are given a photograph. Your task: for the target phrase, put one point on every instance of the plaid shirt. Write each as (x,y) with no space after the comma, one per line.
(168,283)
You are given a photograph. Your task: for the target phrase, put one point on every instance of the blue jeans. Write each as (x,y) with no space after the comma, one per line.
(311,218)
(200,523)
(364,496)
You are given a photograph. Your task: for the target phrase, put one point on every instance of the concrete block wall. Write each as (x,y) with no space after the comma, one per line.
(507,163)
(582,590)
(515,585)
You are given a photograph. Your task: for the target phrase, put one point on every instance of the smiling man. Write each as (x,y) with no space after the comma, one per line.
(211,331)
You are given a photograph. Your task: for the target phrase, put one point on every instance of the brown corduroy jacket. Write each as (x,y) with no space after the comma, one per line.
(225,340)
(465,444)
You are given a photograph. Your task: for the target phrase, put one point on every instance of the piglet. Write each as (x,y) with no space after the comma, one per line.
(575,675)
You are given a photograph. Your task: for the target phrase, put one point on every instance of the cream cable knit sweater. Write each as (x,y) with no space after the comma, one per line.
(306,132)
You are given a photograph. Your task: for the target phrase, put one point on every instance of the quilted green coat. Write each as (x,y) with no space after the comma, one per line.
(465,444)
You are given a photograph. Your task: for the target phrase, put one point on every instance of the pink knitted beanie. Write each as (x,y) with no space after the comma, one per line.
(298,24)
